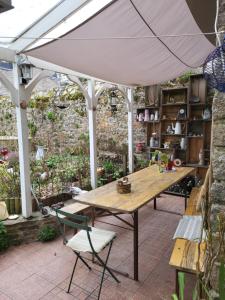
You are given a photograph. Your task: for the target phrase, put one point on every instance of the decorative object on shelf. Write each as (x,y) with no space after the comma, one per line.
(40,154)
(177,128)
(194,99)
(147,117)
(181,114)
(123,186)
(141,117)
(206,114)
(201,157)
(166,145)
(171,100)
(152,117)
(164,117)
(169,130)
(183,143)
(156,116)
(152,142)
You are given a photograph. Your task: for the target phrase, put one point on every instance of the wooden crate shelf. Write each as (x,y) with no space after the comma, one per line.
(171,101)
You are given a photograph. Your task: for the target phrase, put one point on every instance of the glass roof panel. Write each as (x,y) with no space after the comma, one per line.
(24,14)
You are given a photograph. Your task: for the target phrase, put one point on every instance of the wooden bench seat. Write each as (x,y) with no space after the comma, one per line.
(189,256)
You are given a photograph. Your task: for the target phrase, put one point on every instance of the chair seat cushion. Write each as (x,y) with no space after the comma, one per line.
(99,238)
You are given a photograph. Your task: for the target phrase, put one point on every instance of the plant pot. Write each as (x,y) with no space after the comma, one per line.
(109,177)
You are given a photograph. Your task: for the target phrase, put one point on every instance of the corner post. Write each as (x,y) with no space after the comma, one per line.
(130,97)
(92,103)
(23,144)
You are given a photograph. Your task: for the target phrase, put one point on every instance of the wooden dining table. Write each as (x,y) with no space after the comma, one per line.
(146,185)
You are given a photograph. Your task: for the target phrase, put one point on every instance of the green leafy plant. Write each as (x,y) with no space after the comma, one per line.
(47,233)
(33,128)
(4,239)
(51,116)
(108,167)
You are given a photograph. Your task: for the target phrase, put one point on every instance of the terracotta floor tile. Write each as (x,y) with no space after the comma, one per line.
(43,270)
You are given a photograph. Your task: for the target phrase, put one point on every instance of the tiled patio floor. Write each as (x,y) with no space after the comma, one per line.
(42,271)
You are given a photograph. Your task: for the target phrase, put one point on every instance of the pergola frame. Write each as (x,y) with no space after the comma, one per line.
(21,94)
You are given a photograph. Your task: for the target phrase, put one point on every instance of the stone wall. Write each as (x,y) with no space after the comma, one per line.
(218,161)
(25,231)
(70,123)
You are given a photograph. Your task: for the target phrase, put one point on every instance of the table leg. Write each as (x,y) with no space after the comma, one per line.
(135,245)
(155,206)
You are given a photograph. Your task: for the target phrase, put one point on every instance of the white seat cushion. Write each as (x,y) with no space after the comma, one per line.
(99,238)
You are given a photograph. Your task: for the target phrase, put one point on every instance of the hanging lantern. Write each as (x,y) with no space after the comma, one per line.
(214,68)
(26,70)
(113,100)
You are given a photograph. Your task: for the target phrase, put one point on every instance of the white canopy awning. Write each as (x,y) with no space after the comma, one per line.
(138,42)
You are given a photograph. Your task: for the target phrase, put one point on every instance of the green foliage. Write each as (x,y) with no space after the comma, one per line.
(10,181)
(8,116)
(51,116)
(53,161)
(4,239)
(47,233)
(185,77)
(108,167)
(39,102)
(142,163)
(33,128)
(222,281)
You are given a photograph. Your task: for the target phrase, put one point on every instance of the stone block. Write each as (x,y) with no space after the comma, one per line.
(218,107)
(218,163)
(219,133)
(218,192)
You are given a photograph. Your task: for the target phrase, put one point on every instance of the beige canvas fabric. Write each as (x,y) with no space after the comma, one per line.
(102,51)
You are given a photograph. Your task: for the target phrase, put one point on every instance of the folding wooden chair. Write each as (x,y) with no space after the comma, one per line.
(87,239)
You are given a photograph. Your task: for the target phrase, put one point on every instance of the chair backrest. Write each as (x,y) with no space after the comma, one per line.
(72,220)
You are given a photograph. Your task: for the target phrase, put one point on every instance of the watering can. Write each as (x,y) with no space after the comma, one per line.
(178,128)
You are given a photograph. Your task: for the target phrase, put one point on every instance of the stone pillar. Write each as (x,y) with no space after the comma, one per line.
(217,194)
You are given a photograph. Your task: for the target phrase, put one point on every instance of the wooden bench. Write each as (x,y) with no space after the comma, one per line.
(189,256)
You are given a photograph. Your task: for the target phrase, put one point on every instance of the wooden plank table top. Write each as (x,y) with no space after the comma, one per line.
(186,255)
(145,185)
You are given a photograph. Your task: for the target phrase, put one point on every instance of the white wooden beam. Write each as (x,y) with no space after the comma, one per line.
(130,98)
(92,132)
(49,21)
(23,143)
(10,87)
(7,54)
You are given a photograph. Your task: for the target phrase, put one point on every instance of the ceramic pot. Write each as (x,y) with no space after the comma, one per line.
(147,117)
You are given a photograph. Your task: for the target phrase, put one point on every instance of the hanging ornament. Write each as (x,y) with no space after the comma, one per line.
(214,68)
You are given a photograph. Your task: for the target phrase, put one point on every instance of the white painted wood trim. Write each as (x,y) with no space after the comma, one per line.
(23,144)
(130,97)
(92,133)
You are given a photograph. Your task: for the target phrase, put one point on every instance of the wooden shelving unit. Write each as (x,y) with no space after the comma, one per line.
(196,129)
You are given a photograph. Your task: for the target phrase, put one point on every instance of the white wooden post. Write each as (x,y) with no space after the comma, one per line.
(130,97)
(92,103)
(23,143)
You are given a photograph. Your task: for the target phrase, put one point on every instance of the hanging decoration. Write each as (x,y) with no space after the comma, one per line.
(214,68)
